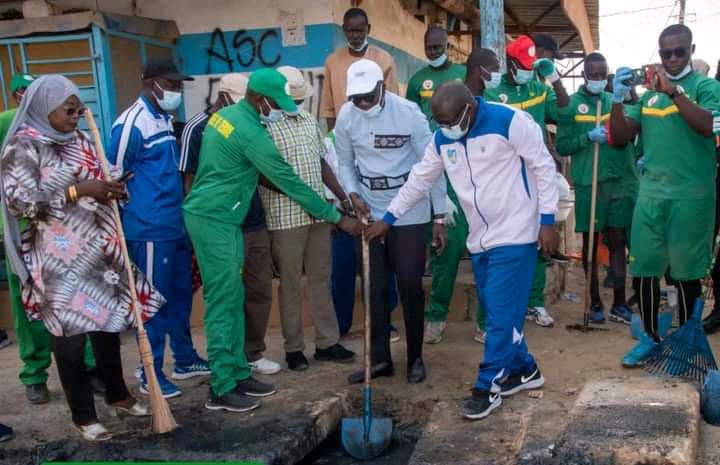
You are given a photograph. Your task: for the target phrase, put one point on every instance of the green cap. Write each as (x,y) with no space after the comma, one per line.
(272,84)
(20,81)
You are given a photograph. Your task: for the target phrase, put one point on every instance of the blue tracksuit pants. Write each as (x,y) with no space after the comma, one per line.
(503,278)
(167,265)
(342,279)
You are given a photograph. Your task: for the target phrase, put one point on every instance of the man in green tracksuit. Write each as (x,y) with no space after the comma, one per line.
(420,90)
(577,136)
(519,88)
(235,149)
(673,219)
(32,337)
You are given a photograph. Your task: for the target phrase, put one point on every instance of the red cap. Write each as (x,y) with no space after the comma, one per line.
(522,50)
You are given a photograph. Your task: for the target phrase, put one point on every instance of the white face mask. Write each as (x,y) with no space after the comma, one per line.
(170,100)
(456,132)
(495,79)
(273,116)
(596,87)
(687,70)
(439,61)
(523,76)
(359,49)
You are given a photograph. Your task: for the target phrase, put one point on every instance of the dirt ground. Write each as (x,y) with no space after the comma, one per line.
(567,359)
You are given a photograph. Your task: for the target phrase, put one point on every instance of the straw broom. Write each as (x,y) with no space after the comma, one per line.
(162,418)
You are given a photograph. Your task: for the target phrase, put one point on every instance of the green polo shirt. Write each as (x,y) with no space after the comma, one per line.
(574,122)
(422,86)
(6,119)
(679,161)
(535,97)
(235,148)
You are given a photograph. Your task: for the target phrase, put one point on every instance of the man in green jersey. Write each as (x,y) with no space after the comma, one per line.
(673,221)
(444,266)
(577,137)
(236,148)
(519,88)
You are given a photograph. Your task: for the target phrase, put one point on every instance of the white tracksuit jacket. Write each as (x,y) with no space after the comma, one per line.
(502,173)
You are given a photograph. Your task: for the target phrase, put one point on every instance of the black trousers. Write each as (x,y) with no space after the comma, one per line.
(69,356)
(404,253)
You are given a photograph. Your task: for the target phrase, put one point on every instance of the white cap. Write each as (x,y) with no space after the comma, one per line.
(299,88)
(234,84)
(362,77)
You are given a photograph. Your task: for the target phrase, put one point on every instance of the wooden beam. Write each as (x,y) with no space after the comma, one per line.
(467,32)
(510,11)
(539,29)
(547,11)
(568,40)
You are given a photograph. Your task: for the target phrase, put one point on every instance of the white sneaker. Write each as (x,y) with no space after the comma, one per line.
(265,366)
(543,318)
(434,331)
(479,335)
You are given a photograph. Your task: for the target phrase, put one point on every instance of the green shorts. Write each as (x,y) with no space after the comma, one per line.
(675,234)
(613,209)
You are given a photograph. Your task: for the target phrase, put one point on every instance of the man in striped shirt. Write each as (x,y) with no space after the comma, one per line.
(143,143)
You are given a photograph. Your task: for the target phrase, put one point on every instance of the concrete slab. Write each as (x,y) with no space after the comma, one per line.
(449,439)
(632,421)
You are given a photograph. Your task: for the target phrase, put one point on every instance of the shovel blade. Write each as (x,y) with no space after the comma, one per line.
(366,445)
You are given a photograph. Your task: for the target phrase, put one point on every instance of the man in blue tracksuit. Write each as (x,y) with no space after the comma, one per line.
(497,162)
(143,143)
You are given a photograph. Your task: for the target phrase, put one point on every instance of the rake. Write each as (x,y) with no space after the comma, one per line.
(686,353)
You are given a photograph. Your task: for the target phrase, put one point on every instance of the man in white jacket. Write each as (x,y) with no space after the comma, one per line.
(497,162)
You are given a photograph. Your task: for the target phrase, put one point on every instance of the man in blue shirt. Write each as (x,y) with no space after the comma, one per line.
(143,143)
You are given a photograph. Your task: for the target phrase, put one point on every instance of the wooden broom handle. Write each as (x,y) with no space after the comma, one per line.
(118,222)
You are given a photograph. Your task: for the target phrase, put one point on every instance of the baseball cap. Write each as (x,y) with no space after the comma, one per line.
(270,83)
(522,50)
(20,81)
(299,88)
(234,84)
(548,43)
(163,67)
(362,77)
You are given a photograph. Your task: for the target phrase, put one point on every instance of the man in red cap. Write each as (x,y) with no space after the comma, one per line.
(521,89)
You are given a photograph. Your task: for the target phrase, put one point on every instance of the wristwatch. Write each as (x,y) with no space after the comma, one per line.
(677,92)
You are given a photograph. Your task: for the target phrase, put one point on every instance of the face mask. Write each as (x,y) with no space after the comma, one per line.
(523,76)
(171,99)
(372,112)
(456,132)
(359,49)
(687,70)
(495,80)
(439,61)
(273,116)
(596,87)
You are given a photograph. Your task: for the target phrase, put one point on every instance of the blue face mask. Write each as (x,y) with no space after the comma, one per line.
(456,132)
(273,116)
(596,87)
(439,61)
(495,80)
(170,100)
(523,76)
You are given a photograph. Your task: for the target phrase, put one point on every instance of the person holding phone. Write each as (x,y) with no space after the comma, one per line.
(672,225)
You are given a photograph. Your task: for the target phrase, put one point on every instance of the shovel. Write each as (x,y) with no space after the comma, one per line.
(367,437)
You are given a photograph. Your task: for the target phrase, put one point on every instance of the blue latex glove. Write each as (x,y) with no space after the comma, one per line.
(716,123)
(598,135)
(620,90)
(544,67)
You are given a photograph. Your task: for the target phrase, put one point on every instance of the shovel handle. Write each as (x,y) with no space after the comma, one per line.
(367,305)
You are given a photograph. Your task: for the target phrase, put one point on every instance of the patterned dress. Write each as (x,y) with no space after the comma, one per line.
(78,281)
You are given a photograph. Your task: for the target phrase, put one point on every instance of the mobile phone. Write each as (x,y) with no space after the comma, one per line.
(639,77)
(128,175)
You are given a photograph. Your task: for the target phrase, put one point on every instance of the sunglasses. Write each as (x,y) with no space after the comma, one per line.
(368,98)
(667,53)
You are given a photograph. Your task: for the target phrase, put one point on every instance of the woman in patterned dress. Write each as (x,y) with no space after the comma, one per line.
(69,258)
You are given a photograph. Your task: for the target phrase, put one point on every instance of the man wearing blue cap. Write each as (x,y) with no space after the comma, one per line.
(236,148)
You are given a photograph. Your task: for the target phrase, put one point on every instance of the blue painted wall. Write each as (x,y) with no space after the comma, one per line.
(247,50)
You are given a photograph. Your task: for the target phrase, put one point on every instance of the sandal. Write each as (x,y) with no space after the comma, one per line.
(94,432)
(136,410)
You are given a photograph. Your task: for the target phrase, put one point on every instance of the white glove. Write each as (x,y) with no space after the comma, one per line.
(716,123)
(451,212)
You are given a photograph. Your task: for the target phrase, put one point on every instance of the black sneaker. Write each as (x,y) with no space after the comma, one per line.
(522,382)
(480,404)
(296,361)
(254,388)
(233,401)
(6,433)
(336,353)
(4,339)
(37,393)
